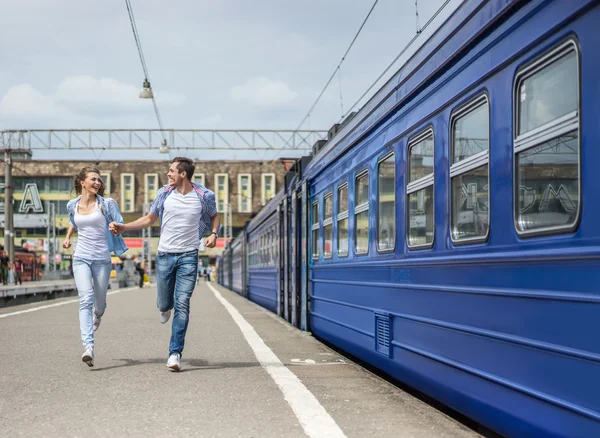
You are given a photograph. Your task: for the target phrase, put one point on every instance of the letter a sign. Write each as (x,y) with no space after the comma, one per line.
(31,200)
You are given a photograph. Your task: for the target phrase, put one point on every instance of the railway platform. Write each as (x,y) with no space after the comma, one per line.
(32,291)
(245,372)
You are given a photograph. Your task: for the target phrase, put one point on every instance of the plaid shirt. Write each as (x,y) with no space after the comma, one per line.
(207,200)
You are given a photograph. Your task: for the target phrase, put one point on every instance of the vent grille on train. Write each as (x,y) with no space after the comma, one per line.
(383,333)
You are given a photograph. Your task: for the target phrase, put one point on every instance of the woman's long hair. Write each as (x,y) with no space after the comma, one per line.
(83,173)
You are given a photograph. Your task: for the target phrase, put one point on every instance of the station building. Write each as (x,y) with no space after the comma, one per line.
(242,187)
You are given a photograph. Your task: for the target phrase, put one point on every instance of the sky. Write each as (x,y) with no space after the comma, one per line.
(213,64)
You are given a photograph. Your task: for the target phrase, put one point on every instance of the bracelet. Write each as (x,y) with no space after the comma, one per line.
(215,233)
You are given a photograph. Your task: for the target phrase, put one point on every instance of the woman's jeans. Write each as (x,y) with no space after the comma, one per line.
(175,281)
(91,278)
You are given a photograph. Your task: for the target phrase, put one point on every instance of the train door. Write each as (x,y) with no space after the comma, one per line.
(303,264)
(280,259)
(244,261)
(294,260)
(285,258)
(230,268)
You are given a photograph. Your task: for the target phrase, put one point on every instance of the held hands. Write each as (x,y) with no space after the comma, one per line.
(211,241)
(67,243)
(116,228)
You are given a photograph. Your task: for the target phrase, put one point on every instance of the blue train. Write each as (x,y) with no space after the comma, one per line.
(447,233)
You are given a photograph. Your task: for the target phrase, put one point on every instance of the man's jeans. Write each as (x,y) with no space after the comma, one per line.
(91,278)
(175,281)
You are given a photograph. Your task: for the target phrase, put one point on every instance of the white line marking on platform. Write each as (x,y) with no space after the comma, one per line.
(312,416)
(62,303)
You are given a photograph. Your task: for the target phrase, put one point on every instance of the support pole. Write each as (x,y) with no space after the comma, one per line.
(53,225)
(8,206)
(50,208)
(48,237)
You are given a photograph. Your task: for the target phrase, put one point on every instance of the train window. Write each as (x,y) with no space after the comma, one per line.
(265,246)
(274,245)
(315,230)
(469,172)
(327,226)
(342,220)
(271,253)
(386,197)
(361,213)
(272,248)
(257,243)
(268,248)
(419,190)
(547,144)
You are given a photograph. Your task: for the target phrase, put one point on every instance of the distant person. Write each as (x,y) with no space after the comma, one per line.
(186,211)
(18,271)
(139,267)
(11,274)
(4,267)
(90,215)
(200,271)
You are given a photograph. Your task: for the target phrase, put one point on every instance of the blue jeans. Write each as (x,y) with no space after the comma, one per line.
(91,278)
(175,281)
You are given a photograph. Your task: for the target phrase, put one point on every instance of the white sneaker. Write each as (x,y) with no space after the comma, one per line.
(97,322)
(164,316)
(174,362)
(88,356)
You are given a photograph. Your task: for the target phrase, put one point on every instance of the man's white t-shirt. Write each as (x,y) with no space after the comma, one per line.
(180,223)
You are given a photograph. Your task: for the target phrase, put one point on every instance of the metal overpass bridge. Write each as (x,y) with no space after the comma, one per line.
(155,139)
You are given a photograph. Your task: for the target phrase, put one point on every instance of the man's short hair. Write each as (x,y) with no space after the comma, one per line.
(185,165)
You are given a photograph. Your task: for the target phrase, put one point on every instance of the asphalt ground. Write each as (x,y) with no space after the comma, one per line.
(245,372)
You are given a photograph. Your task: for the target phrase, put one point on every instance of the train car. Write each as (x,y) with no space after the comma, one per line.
(441,233)
(263,241)
(238,264)
(219,269)
(227,279)
(454,240)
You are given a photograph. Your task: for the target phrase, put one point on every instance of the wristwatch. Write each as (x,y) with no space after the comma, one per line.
(215,233)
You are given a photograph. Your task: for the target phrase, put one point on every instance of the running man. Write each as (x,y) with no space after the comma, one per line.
(187,211)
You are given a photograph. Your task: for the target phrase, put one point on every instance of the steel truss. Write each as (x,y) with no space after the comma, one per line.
(144,139)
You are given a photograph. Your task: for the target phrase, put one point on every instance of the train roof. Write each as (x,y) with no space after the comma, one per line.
(266,211)
(468,21)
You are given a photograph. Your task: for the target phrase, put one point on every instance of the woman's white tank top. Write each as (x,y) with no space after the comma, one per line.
(91,229)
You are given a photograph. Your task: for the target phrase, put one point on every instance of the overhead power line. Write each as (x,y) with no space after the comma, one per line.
(417,16)
(144,66)
(137,39)
(402,52)
(337,68)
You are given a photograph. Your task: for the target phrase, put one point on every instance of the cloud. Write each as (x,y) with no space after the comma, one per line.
(25,102)
(262,91)
(81,100)
(108,93)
